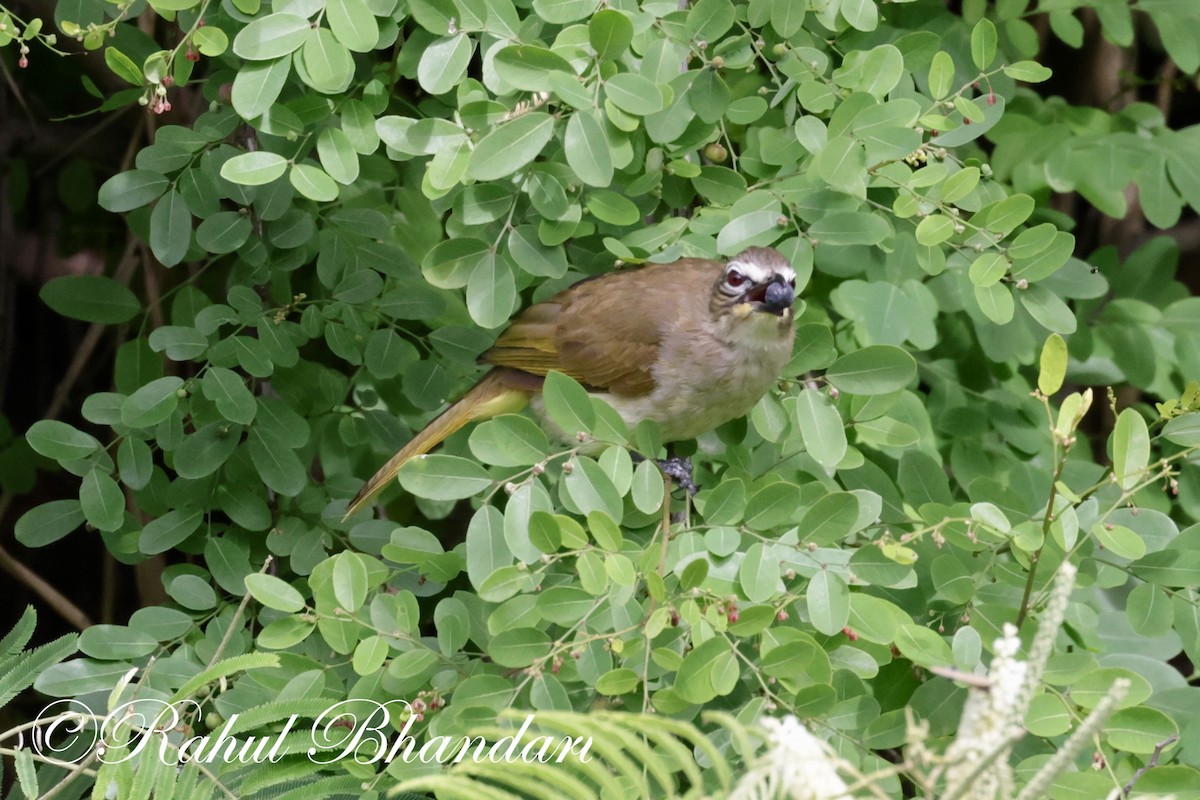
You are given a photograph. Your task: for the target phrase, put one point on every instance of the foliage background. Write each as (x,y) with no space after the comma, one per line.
(345,201)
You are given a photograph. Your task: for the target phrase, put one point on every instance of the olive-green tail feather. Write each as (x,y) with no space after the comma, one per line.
(496,394)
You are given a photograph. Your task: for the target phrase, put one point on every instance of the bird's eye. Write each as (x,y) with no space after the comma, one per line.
(792,283)
(735,278)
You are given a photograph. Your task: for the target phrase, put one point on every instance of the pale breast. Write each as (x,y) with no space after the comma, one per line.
(702,382)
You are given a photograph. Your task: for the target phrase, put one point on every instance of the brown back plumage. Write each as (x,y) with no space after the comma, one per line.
(605,332)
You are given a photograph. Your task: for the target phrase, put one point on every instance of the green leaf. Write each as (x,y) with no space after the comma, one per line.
(530,68)
(851,227)
(648,489)
(113,642)
(254,169)
(170,229)
(152,403)
(828,601)
(223,232)
(48,522)
(1184,431)
(511,146)
(821,427)
(370,655)
(935,229)
(1139,730)
(988,269)
(123,66)
(617,681)
(135,188)
(759,573)
(1053,365)
(271,36)
(590,488)
(960,184)
(444,63)
(609,33)
(996,302)
(257,86)
(560,12)
(568,405)
(633,93)
(338,156)
(313,182)
(586,149)
(203,452)
(509,440)
(349,581)
(612,208)
(353,24)
(983,44)
(1120,541)
(518,647)
(278,466)
(228,390)
(161,534)
(829,520)
(923,646)
(1130,448)
(491,292)
(694,680)
(211,41)
(1149,611)
(874,370)
(60,441)
(102,500)
(990,515)
(941,75)
(440,477)
(708,20)
(274,593)
(1028,71)
(786,17)
(709,96)
(862,15)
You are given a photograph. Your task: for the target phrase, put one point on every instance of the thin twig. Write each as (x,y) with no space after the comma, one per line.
(39,586)
(1151,764)
(237,617)
(82,768)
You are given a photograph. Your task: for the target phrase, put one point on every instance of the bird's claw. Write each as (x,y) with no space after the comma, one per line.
(680,469)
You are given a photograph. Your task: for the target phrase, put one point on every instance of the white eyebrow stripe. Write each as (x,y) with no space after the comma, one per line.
(760,274)
(751,270)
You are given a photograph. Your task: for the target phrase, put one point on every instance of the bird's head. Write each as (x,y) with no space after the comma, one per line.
(758,281)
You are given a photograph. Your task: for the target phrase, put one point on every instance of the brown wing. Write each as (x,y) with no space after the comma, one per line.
(605,332)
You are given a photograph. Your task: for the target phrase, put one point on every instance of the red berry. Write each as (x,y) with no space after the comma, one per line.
(22,62)
(991,98)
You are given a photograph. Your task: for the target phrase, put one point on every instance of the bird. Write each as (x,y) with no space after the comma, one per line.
(690,344)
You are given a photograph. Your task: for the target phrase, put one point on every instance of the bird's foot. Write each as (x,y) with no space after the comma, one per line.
(680,469)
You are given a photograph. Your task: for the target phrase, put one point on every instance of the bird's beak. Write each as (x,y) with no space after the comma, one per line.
(774,297)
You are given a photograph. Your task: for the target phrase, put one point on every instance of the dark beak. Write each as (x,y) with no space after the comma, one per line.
(778,296)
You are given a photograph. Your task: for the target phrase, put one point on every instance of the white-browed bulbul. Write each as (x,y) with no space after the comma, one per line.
(690,345)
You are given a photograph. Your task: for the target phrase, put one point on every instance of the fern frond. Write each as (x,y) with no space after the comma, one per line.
(25,669)
(452,787)
(223,669)
(16,639)
(267,713)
